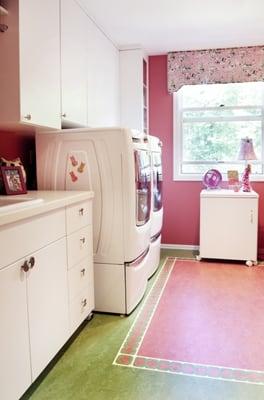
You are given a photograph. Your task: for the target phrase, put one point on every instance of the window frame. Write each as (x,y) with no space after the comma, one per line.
(178,139)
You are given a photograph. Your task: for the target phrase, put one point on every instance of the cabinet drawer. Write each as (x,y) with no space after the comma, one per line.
(79,277)
(80,245)
(81,307)
(78,216)
(22,238)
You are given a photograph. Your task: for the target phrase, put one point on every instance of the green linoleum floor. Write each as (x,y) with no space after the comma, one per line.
(84,370)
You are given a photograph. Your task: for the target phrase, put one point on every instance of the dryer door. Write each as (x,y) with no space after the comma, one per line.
(143,187)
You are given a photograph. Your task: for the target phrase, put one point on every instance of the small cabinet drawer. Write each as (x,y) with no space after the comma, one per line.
(79,277)
(80,308)
(78,216)
(22,238)
(80,245)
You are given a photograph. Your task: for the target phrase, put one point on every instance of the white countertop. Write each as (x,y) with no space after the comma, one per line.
(39,202)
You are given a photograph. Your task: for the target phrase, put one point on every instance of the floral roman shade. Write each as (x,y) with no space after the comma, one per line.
(240,64)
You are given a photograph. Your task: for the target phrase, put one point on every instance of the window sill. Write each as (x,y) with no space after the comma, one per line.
(199,177)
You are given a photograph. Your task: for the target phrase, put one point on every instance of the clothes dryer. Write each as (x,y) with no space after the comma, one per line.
(115,164)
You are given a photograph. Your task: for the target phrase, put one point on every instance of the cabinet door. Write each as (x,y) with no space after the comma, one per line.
(228,228)
(48,304)
(74,62)
(132,89)
(103,79)
(39,47)
(15,376)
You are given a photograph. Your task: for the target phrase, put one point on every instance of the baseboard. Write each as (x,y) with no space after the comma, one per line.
(179,247)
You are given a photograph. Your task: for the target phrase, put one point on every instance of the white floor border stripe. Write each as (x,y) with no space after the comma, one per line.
(134,356)
(154,308)
(192,375)
(197,364)
(140,311)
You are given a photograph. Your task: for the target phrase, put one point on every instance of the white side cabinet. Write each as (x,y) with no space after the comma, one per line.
(47,293)
(229,225)
(30,64)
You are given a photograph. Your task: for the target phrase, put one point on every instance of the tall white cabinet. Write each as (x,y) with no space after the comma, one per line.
(103,79)
(134,89)
(30,64)
(229,225)
(74,62)
(89,70)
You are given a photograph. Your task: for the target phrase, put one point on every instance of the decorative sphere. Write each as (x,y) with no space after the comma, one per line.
(212,179)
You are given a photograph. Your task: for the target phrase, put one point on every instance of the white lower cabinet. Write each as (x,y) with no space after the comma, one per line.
(34,316)
(45,295)
(47,304)
(15,372)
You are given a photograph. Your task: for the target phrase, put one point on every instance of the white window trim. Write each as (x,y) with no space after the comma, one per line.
(177,146)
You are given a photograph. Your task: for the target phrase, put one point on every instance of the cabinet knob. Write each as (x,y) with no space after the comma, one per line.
(64,115)
(31,262)
(28,264)
(83,271)
(25,267)
(81,211)
(82,240)
(28,117)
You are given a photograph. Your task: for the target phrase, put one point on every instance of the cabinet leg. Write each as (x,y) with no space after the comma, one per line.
(90,316)
(198,258)
(249,263)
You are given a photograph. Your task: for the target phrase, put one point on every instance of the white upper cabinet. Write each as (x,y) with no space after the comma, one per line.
(134,89)
(73,63)
(57,67)
(30,64)
(89,71)
(103,79)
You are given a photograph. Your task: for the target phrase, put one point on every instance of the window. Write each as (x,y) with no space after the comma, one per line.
(209,121)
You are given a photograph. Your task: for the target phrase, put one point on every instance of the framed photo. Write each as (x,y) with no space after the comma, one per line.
(12,180)
(233,180)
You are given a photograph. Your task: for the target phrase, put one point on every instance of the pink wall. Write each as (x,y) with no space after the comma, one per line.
(181,199)
(21,145)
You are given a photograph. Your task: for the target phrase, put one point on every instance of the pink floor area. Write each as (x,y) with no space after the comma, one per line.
(209,313)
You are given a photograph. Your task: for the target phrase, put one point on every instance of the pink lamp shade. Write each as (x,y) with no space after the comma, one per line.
(246,151)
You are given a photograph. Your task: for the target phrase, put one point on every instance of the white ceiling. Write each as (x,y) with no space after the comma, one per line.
(160,26)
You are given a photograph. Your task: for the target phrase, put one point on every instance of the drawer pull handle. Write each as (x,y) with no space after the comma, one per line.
(83,271)
(81,211)
(82,240)
(84,302)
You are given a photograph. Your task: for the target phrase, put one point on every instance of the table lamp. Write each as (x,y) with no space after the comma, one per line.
(246,152)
